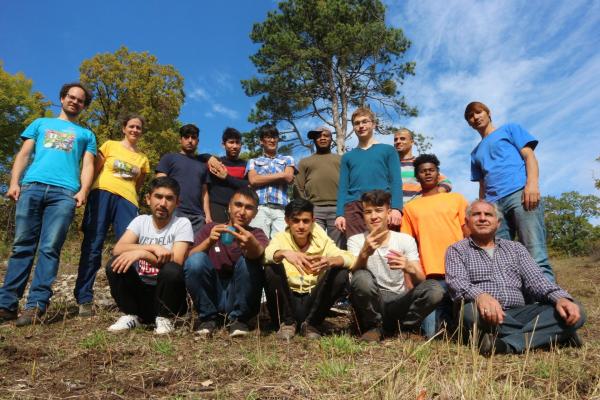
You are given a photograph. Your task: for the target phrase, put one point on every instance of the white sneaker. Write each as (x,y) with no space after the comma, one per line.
(163,326)
(125,322)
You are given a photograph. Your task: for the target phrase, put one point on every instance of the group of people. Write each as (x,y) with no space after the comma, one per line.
(377,224)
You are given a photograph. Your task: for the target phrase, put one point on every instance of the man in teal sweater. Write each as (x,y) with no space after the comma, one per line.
(369,166)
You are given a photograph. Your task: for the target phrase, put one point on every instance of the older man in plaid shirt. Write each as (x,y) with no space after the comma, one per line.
(270,175)
(494,277)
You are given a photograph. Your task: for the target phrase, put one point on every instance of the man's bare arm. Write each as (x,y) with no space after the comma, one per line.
(19,165)
(87,178)
(531,192)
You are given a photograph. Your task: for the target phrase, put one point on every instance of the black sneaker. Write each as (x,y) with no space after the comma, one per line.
(238,329)
(7,315)
(30,316)
(207,328)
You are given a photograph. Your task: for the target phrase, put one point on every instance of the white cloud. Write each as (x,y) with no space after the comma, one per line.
(198,94)
(221,109)
(534,63)
(223,80)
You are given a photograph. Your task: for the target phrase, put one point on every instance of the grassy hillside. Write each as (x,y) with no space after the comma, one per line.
(77,358)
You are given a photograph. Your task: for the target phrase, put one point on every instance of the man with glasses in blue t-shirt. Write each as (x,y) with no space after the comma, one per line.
(507,170)
(47,191)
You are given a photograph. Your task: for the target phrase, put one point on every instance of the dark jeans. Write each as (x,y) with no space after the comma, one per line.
(533,325)
(102,210)
(134,297)
(219,213)
(355,223)
(286,306)
(325,217)
(238,296)
(375,308)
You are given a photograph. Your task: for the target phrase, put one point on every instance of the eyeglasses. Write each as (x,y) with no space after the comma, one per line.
(75,99)
(361,122)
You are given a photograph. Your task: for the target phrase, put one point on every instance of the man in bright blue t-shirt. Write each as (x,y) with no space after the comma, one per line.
(506,168)
(47,195)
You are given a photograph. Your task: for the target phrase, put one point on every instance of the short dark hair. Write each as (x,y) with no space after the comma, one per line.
(410,133)
(231,133)
(424,159)
(67,86)
(298,206)
(129,117)
(268,130)
(164,182)
(189,130)
(248,193)
(476,106)
(377,198)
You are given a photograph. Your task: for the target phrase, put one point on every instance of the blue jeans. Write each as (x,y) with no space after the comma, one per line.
(42,219)
(532,325)
(237,296)
(103,209)
(528,226)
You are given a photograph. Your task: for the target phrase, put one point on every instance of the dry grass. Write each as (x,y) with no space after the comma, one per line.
(78,359)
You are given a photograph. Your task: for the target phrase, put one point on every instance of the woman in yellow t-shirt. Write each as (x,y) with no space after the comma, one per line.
(120,171)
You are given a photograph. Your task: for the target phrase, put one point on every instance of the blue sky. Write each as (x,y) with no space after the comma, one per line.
(533,62)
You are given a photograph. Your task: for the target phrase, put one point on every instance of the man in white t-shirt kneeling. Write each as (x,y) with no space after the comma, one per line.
(146,275)
(388,289)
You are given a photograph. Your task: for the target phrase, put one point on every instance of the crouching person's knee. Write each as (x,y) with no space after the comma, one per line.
(196,265)
(171,272)
(363,284)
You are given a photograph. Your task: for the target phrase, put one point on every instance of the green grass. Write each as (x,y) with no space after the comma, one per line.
(97,340)
(340,345)
(335,368)
(163,346)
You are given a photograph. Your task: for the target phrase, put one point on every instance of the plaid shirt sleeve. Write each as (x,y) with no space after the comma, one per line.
(534,280)
(250,165)
(456,275)
(289,162)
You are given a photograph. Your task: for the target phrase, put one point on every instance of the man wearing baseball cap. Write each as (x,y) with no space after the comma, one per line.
(317,181)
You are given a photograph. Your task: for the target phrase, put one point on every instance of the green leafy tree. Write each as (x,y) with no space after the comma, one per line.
(133,82)
(319,58)
(19,106)
(568,224)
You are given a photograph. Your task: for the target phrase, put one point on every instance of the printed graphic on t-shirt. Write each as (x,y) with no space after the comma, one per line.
(165,240)
(59,140)
(146,269)
(124,170)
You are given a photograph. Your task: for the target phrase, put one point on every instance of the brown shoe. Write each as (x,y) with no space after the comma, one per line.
(309,331)
(371,336)
(30,316)
(7,315)
(286,332)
